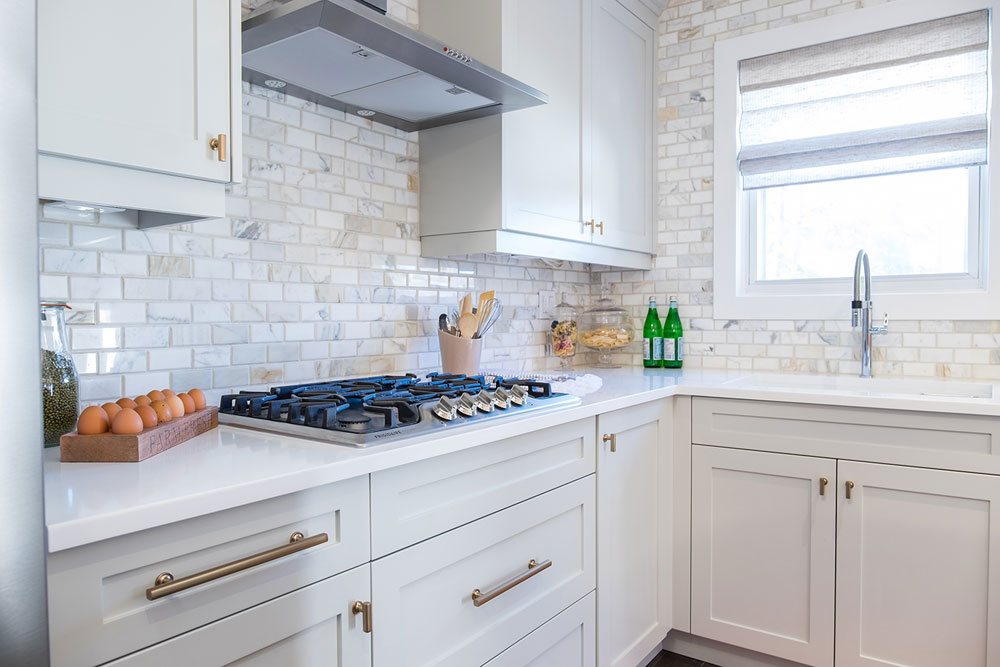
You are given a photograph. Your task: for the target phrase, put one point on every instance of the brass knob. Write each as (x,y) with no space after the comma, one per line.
(823,481)
(600,227)
(219,144)
(163,578)
(613,440)
(296,537)
(365,609)
(849,485)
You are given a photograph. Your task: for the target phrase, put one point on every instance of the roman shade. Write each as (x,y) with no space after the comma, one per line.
(906,99)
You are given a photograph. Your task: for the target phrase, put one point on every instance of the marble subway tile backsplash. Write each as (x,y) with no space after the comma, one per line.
(687,34)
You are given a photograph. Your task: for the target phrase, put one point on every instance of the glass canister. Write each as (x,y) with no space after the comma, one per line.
(563,333)
(60,382)
(605,327)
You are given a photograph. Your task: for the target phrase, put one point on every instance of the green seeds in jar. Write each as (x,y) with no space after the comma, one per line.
(60,396)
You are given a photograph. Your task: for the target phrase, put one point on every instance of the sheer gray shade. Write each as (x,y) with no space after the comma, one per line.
(906,99)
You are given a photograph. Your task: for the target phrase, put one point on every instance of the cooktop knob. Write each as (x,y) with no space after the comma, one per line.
(501,398)
(518,394)
(466,405)
(484,402)
(445,409)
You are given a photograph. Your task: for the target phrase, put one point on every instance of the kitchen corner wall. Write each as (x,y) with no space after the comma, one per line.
(687,33)
(315,273)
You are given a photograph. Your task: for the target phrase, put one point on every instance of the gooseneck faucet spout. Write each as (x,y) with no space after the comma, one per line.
(861,312)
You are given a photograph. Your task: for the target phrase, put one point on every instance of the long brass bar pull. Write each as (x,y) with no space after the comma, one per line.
(613,440)
(165,584)
(849,486)
(823,481)
(365,609)
(219,144)
(479,598)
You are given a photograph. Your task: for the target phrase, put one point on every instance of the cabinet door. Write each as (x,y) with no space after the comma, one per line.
(135,82)
(762,552)
(622,127)
(633,527)
(918,568)
(311,626)
(542,149)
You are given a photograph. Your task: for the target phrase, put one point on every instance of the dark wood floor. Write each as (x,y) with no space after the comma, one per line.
(667,659)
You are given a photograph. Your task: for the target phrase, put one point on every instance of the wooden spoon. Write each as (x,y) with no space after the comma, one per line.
(467,325)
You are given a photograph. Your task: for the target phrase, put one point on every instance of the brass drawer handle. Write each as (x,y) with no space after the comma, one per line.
(823,481)
(849,485)
(165,584)
(219,144)
(479,598)
(613,439)
(600,227)
(365,609)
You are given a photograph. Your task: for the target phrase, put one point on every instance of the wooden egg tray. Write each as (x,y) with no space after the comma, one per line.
(114,448)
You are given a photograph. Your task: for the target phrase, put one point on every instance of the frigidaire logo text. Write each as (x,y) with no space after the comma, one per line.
(387,434)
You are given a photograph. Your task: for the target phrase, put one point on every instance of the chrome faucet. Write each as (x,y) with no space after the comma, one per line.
(861,313)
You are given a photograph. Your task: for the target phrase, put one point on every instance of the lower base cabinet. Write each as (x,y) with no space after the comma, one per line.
(308,627)
(918,567)
(568,640)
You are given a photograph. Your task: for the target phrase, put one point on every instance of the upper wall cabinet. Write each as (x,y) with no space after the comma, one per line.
(572,179)
(139,105)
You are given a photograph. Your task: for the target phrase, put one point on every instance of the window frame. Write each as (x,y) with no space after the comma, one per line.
(737,292)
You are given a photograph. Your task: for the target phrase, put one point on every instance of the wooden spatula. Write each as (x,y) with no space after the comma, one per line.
(467,325)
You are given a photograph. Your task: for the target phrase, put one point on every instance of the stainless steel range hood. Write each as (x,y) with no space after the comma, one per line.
(343,54)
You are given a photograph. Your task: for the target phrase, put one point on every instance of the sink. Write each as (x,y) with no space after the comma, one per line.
(857,385)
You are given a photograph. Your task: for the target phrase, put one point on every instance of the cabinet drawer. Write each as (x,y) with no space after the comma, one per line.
(568,640)
(934,440)
(420,500)
(312,626)
(98,608)
(423,596)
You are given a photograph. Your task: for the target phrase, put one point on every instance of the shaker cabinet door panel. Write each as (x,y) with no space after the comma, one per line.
(622,127)
(762,552)
(136,83)
(918,568)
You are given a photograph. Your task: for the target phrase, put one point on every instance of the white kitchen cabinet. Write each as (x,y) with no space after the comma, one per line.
(568,640)
(918,567)
(762,552)
(132,96)
(312,626)
(622,127)
(541,181)
(634,533)
(463,597)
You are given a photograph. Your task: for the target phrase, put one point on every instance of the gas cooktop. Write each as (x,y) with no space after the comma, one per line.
(387,408)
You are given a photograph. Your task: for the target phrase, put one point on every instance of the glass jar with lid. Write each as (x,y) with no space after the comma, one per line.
(60,382)
(605,328)
(563,333)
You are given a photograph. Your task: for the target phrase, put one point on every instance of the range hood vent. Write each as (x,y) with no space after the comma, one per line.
(344,54)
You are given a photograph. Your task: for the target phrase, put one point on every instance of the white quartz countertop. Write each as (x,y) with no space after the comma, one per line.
(231,466)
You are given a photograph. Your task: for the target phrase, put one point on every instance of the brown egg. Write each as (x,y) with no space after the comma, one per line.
(126,403)
(93,420)
(148,416)
(142,399)
(188,403)
(162,410)
(176,406)
(127,422)
(167,393)
(199,398)
(111,409)
(156,395)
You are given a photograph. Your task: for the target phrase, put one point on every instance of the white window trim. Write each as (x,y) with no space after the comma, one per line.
(736,296)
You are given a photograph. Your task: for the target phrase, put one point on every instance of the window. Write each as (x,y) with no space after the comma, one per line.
(865,130)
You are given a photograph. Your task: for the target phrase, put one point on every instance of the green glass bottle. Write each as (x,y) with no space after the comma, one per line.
(673,338)
(652,337)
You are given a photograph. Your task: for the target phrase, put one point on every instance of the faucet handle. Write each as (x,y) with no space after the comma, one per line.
(882,328)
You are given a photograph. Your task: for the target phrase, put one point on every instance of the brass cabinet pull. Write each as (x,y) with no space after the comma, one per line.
(365,609)
(849,485)
(600,227)
(219,144)
(823,481)
(165,584)
(589,223)
(613,440)
(479,598)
